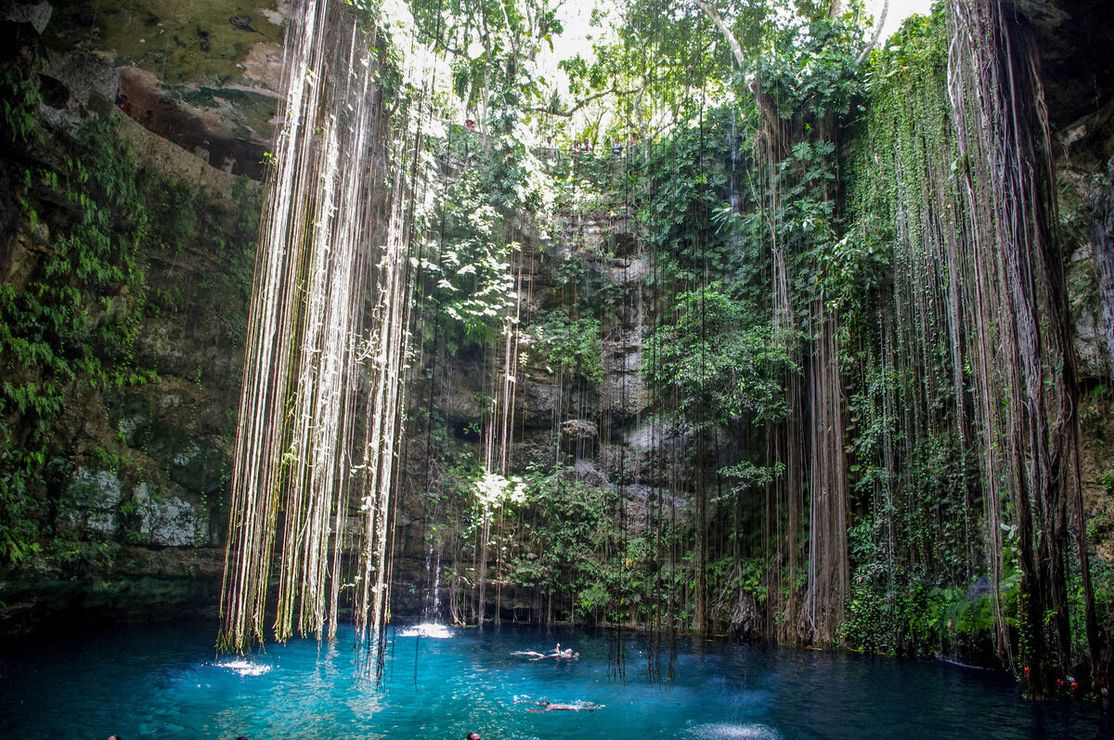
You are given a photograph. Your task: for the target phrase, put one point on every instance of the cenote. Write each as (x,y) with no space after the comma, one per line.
(784,327)
(165,681)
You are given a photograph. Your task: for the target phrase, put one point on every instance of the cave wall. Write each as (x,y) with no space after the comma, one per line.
(193,89)
(1077,73)
(134,516)
(592,427)
(1078,82)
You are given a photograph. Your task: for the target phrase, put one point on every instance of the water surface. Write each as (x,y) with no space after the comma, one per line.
(165,681)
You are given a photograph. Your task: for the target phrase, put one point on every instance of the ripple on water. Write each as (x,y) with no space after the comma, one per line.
(727,730)
(164,681)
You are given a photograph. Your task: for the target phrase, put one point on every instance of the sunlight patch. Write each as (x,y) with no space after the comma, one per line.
(427,629)
(244,668)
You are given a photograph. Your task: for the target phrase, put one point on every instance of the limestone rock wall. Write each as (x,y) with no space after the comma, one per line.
(137,514)
(1078,78)
(204,75)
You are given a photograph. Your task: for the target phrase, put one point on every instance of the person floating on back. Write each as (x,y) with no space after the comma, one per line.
(548,706)
(556,654)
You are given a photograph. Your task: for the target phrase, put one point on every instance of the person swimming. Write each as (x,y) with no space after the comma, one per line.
(559,654)
(556,654)
(577,706)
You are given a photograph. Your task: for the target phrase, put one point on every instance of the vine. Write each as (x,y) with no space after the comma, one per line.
(73,320)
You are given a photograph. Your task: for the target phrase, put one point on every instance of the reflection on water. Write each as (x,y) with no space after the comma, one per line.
(165,681)
(725,731)
(244,668)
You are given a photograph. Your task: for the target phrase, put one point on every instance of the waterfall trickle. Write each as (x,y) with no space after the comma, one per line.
(431,604)
(436,607)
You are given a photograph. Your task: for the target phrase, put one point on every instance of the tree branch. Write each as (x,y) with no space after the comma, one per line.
(733,42)
(877,33)
(595,96)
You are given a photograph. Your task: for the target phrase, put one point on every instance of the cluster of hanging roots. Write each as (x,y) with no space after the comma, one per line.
(1018,328)
(320,411)
(324,374)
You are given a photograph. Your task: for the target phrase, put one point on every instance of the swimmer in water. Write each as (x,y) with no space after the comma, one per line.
(548,706)
(557,654)
(566,654)
(531,654)
(579,706)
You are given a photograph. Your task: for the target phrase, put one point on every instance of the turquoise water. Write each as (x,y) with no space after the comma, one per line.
(165,681)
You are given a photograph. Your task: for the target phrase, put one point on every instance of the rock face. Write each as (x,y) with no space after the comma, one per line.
(97,506)
(1078,78)
(137,524)
(1095,334)
(194,88)
(37,15)
(95,497)
(600,424)
(204,75)
(601,429)
(1089,335)
(170,521)
(1072,38)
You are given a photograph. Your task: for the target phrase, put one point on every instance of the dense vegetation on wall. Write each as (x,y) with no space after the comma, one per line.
(73,321)
(90,227)
(829,466)
(829,276)
(916,483)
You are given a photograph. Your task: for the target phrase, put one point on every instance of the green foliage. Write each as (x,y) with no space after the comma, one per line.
(897,605)
(472,278)
(812,68)
(729,577)
(492,44)
(1092,413)
(1102,582)
(474,285)
(913,481)
(565,523)
(588,289)
(571,344)
(69,326)
(746,475)
(20,96)
(74,320)
(496,176)
(680,184)
(550,533)
(720,360)
(895,608)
